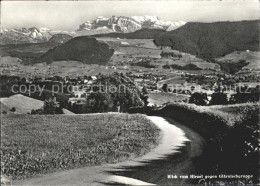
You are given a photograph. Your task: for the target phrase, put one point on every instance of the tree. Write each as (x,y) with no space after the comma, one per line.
(218,99)
(52,107)
(165,87)
(145,96)
(198,98)
(13,109)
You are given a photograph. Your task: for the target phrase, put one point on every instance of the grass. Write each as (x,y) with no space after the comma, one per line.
(163,97)
(22,104)
(42,144)
(231,113)
(173,80)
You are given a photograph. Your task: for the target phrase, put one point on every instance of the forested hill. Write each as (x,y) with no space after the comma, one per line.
(211,40)
(83,49)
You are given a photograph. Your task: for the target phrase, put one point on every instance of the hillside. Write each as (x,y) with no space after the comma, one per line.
(139,34)
(83,49)
(22,104)
(52,143)
(251,58)
(211,40)
(27,52)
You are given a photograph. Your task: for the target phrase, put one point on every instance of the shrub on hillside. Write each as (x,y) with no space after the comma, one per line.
(13,109)
(218,98)
(198,98)
(242,143)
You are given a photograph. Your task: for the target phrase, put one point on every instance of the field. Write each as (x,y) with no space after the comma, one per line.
(40,144)
(162,98)
(173,80)
(22,104)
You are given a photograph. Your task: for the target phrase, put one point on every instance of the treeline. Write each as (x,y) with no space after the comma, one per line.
(242,95)
(189,66)
(228,149)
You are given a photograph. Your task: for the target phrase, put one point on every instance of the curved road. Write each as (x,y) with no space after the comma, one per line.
(173,155)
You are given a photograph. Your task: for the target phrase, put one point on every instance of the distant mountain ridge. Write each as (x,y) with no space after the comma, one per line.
(24,35)
(211,40)
(129,24)
(27,35)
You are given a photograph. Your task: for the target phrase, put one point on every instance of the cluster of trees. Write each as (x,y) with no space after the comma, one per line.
(51,106)
(189,66)
(111,93)
(232,68)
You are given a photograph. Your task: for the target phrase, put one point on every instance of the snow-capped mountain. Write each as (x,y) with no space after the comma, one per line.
(129,24)
(27,35)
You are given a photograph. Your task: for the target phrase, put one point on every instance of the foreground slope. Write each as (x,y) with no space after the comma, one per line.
(48,143)
(211,40)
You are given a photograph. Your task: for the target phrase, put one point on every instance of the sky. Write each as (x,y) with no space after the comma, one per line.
(68,15)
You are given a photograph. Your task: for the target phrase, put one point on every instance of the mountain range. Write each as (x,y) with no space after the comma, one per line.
(27,35)
(100,25)
(129,24)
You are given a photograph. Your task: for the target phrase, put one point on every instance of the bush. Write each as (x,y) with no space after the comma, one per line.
(13,109)
(198,98)
(242,143)
(218,98)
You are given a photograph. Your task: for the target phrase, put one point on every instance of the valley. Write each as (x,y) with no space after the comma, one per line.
(118,90)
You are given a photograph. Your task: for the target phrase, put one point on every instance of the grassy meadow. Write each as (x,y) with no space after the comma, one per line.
(22,104)
(164,97)
(45,143)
